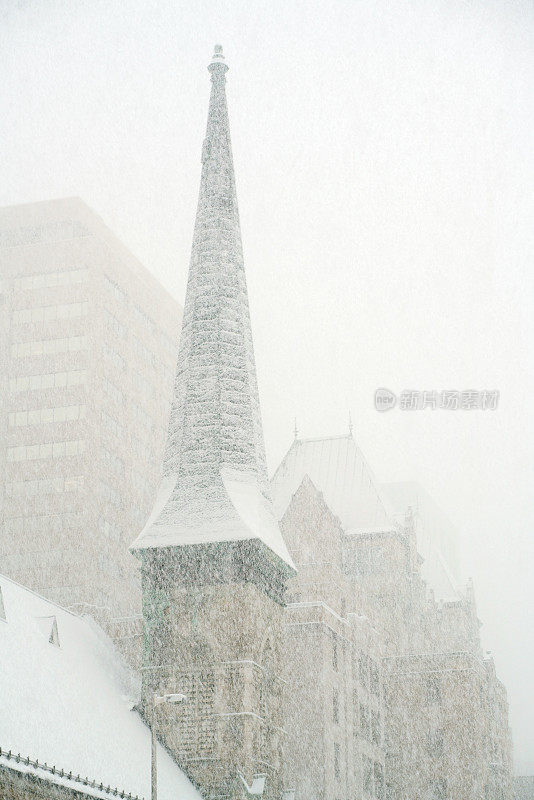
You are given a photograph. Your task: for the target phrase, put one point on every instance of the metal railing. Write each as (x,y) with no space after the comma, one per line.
(61,773)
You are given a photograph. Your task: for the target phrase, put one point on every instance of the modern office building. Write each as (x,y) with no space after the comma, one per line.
(88,343)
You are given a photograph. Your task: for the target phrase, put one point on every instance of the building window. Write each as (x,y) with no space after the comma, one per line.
(109,530)
(44,280)
(49,380)
(139,483)
(337,769)
(116,291)
(433,690)
(379,781)
(30,488)
(354,663)
(144,388)
(435,743)
(334,652)
(142,417)
(48,313)
(367,775)
(54,634)
(42,523)
(33,452)
(374,680)
(335,706)
(144,319)
(143,353)
(355,709)
(114,358)
(168,376)
(46,347)
(108,494)
(364,670)
(112,462)
(375,727)
(111,425)
(41,416)
(114,325)
(112,391)
(438,789)
(170,346)
(142,449)
(365,726)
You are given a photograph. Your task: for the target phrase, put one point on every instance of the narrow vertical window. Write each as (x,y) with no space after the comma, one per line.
(335,706)
(334,651)
(337,771)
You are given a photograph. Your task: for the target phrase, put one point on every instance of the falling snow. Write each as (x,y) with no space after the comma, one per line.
(304,639)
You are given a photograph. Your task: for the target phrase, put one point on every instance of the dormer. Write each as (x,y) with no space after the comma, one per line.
(48,627)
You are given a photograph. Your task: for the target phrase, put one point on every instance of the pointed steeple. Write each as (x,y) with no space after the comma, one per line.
(215,485)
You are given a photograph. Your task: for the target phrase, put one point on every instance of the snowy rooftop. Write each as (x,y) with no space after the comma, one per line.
(66,699)
(236,510)
(338,469)
(436,535)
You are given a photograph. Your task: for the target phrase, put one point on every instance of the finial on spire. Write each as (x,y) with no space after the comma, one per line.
(218,59)
(350,424)
(296,430)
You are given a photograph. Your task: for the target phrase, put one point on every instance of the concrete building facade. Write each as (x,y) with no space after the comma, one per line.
(88,347)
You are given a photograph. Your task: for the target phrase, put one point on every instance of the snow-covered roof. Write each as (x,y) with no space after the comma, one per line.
(66,700)
(370,531)
(435,534)
(337,468)
(235,510)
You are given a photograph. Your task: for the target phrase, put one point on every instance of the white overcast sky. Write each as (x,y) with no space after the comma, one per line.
(384,163)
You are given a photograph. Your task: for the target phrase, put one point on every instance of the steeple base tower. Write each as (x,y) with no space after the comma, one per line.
(213,616)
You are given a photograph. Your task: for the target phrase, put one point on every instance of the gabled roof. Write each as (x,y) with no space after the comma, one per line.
(70,704)
(338,469)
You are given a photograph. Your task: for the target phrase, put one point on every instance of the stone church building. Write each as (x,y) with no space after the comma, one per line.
(295,615)
(312,650)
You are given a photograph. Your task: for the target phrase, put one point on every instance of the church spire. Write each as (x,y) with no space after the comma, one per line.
(215,485)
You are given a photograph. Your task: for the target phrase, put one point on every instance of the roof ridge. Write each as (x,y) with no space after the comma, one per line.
(326,438)
(40,596)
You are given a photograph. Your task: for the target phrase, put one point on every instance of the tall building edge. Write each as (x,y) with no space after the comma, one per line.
(88,346)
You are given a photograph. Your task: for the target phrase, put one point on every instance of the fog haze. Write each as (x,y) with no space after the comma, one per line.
(384,170)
